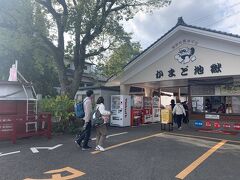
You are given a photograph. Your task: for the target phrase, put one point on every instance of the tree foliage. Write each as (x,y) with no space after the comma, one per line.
(119,58)
(95,27)
(18,18)
(92,27)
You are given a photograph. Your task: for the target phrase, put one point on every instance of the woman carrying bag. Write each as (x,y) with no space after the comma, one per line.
(101,129)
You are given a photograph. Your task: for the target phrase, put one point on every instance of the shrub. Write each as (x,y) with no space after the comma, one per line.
(61,108)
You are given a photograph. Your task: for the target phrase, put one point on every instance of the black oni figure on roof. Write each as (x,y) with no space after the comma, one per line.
(185,55)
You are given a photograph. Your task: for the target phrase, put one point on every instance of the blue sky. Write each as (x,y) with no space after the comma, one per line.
(223,15)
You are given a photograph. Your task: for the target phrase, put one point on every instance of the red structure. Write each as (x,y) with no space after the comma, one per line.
(17,98)
(18,112)
(18,126)
(137,110)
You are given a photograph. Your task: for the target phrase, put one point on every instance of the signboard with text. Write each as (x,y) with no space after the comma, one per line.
(198,123)
(236,126)
(212,116)
(217,124)
(208,124)
(227,125)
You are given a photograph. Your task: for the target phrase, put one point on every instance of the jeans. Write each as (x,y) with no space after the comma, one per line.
(101,134)
(179,120)
(85,135)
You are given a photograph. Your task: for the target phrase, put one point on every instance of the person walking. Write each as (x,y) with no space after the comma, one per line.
(185,118)
(82,141)
(179,112)
(172,104)
(101,130)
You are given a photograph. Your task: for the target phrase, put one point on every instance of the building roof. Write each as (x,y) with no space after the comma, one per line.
(181,22)
(100,87)
(10,90)
(87,77)
(14,83)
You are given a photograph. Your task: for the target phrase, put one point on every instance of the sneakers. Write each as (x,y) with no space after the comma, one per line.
(80,145)
(86,148)
(180,128)
(99,148)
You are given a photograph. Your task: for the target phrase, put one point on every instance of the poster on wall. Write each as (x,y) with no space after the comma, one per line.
(197,104)
(230,89)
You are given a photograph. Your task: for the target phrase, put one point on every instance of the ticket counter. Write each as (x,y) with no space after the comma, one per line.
(219,109)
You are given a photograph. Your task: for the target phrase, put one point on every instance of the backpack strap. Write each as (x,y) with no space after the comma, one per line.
(79,102)
(98,110)
(181,109)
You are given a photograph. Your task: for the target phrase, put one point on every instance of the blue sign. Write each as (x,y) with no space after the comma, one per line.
(198,123)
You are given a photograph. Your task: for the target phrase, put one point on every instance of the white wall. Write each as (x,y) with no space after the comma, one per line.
(106,94)
(166,100)
(204,57)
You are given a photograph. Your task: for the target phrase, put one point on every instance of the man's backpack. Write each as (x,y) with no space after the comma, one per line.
(79,110)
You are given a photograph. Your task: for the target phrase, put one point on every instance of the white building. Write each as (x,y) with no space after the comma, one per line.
(195,63)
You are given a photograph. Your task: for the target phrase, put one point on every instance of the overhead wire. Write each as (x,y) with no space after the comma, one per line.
(222,19)
(204,18)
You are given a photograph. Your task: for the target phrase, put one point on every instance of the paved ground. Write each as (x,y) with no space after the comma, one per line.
(140,153)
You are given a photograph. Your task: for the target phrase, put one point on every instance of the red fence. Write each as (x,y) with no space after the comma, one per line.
(17,126)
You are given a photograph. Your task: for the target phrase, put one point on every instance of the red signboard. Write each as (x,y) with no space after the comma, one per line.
(216,124)
(236,126)
(226,125)
(208,124)
(17,126)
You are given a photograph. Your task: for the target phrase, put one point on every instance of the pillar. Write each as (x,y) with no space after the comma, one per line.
(124,89)
(148,91)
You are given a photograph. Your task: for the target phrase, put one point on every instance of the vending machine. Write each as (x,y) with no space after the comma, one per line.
(156,109)
(147,109)
(137,110)
(120,108)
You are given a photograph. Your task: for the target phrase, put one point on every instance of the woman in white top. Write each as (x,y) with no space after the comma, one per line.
(179,111)
(101,131)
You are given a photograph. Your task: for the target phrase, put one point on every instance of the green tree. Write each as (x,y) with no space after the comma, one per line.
(18,41)
(119,58)
(13,42)
(95,27)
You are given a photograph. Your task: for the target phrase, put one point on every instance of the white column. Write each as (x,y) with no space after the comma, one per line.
(148,92)
(124,89)
(179,93)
